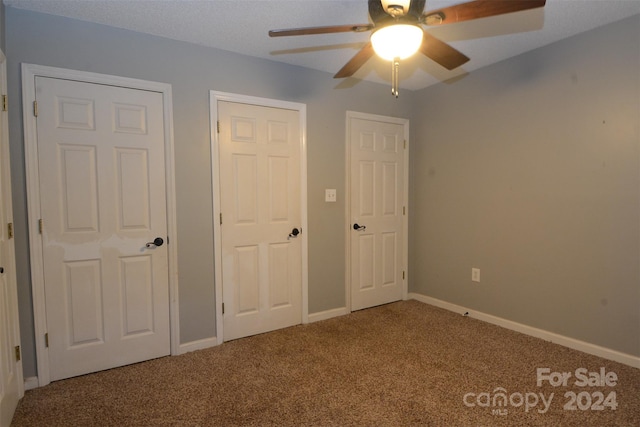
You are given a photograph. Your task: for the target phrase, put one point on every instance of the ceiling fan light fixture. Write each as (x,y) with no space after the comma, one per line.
(397,41)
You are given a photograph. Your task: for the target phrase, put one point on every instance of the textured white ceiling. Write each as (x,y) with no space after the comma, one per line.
(241,26)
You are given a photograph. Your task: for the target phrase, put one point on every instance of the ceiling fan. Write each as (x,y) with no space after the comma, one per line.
(397,32)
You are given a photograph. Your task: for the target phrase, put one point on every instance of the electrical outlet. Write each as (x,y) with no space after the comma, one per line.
(475,275)
(330,195)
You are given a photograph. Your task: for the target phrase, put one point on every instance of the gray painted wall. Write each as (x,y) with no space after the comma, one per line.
(193,71)
(2,28)
(530,171)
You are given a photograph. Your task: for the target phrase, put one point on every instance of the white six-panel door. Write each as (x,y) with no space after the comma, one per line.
(260,193)
(377,198)
(11,384)
(102,197)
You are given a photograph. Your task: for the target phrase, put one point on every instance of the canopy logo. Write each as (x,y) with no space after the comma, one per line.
(499,400)
(592,400)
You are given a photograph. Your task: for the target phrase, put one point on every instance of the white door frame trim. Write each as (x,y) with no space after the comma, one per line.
(405,227)
(29,73)
(214,98)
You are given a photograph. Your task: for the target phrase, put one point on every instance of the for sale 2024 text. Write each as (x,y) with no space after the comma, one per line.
(582,377)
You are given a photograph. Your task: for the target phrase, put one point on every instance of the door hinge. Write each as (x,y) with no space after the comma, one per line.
(405,144)
(220,218)
(404,210)
(402,274)
(46,340)
(40,226)
(17,349)
(5,104)
(218,126)
(222,308)
(35,108)
(10,230)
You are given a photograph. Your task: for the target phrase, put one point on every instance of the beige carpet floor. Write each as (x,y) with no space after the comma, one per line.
(401,364)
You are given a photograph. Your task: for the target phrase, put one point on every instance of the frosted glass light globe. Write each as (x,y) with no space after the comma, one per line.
(397,41)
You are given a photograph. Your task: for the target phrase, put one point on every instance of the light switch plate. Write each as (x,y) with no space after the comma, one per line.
(475,275)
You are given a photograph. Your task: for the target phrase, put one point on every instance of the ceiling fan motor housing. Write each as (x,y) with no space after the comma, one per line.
(395,9)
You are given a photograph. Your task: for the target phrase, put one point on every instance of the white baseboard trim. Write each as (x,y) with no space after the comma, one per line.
(328,314)
(197,345)
(30,383)
(572,343)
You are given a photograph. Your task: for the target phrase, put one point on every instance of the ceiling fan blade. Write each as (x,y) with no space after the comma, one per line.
(320,30)
(478,9)
(441,52)
(356,62)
